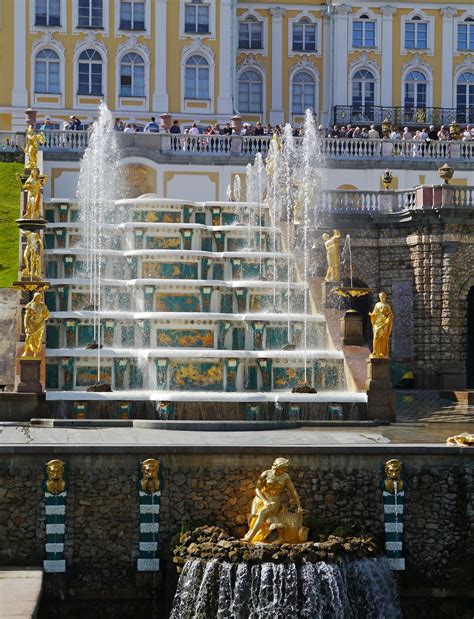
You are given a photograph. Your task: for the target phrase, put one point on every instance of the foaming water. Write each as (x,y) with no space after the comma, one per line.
(359,589)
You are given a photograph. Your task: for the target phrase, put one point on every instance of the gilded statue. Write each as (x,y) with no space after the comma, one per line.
(267,512)
(382,323)
(333,254)
(149,482)
(33,140)
(461,440)
(393,471)
(36,315)
(55,483)
(32,254)
(33,186)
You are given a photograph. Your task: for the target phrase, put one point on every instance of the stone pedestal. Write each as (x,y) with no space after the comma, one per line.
(30,373)
(351,329)
(381,400)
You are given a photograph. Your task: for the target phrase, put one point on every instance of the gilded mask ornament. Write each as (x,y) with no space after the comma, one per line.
(393,471)
(149,482)
(55,483)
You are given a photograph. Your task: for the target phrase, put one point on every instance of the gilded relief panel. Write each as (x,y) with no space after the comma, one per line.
(197,376)
(173,302)
(190,338)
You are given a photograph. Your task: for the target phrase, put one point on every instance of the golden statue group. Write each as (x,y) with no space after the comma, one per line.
(269,514)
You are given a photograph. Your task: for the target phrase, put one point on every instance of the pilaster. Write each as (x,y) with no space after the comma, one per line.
(226,59)
(277,114)
(340,54)
(160,96)
(19,92)
(387,55)
(447,57)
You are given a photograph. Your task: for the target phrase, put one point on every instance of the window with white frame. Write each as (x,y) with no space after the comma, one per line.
(416,34)
(196,78)
(47,72)
(363,32)
(416,89)
(48,13)
(132,15)
(90,73)
(132,75)
(363,91)
(90,14)
(250,92)
(465,97)
(250,33)
(466,35)
(196,17)
(303,92)
(304,36)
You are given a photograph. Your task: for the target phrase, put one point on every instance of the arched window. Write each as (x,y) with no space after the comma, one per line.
(250,92)
(47,68)
(363,32)
(465,97)
(90,73)
(304,36)
(466,35)
(250,33)
(132,76)
(363,92)
(303,92)
(416,87)
(196,78)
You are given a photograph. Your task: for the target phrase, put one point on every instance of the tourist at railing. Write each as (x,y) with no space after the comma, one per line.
(152,126)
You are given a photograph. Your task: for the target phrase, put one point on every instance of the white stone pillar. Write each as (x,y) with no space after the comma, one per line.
(387,55)
(160,96)
(340,54)
(19,92)
(325,113)
(277,114)
(225,104)
(447,51)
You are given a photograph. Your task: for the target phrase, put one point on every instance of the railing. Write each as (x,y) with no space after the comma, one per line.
(463,197)
(245,147)
(355,200)
(363,115)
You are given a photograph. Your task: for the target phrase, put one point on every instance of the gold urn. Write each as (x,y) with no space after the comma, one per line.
(454,130)
(446,172)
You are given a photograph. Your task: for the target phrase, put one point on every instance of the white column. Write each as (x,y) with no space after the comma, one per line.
(225,103)
(325,114)
(340,54)
(386,44)
(447,51)
(19,92)
(277,114)
(160,96)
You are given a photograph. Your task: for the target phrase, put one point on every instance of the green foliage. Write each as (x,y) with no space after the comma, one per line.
(9,211)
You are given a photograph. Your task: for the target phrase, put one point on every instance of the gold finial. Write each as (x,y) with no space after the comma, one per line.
(267,512)
(55,483)
(36,315)
(149,482)
(393,471)
(382,322)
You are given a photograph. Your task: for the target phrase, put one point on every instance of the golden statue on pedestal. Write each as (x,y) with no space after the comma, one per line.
(267,512)
(333,254)
(55,483)
(149,482)
(33,140)
(36,315)
(393,471)
(32,254)
(382,323)
(33,186)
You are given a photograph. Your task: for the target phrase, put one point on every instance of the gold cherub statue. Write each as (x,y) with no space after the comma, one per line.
(36,315)
(33,140)
(333,254)
(393,471)
(149,482)
(33,186)
(382,323)
(32,254)
(267,512)
(55,483)
(461,440)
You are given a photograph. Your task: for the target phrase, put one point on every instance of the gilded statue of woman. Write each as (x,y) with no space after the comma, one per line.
(36,315)
(267,512)
(33,185)
(333,254)
(33,140)
(32,254)
(382,323)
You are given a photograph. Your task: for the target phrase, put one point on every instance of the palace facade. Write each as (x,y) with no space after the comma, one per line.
(206,60)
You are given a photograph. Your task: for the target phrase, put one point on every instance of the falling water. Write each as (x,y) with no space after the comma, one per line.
(237,191)
(251,199)
(273,168)
(347,256)
(362,588)
(97,191)
(288,162)
(260,178)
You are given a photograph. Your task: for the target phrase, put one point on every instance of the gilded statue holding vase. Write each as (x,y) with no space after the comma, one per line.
(36,315)
(382,323)
(33,186)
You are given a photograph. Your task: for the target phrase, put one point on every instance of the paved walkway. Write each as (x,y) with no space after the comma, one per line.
(20,591)
(427,406)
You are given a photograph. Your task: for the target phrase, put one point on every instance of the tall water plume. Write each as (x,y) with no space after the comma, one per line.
(97,191)
(274,182)
(288,165)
